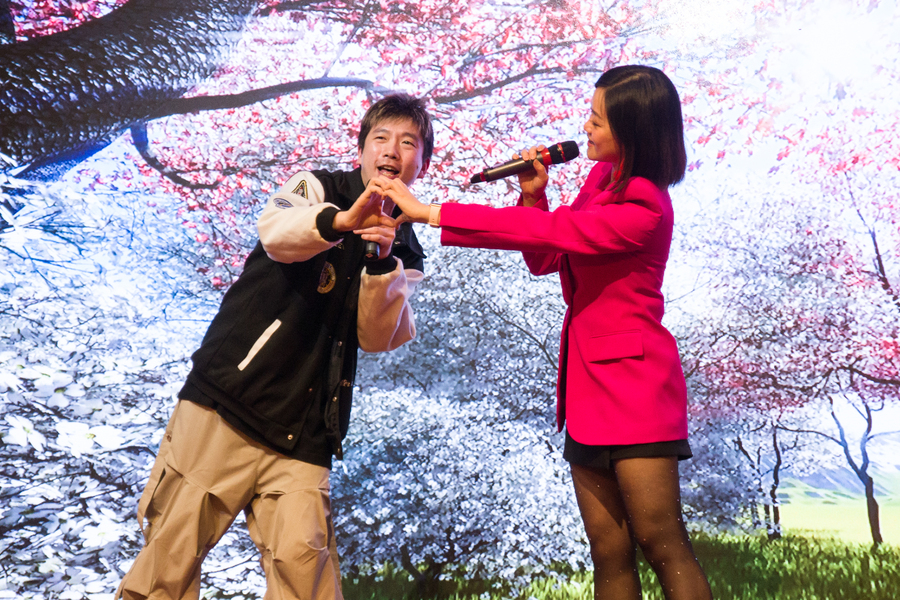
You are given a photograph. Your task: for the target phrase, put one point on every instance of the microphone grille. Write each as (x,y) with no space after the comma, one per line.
(563,152)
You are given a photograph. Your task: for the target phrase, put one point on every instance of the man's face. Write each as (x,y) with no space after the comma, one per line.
(393,149)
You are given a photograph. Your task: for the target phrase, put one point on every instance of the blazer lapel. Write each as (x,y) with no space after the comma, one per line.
(589,196)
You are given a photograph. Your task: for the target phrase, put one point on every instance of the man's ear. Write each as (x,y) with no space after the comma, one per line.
(424,168)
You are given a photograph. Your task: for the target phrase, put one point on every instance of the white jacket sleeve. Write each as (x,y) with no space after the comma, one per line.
(287,227)
(385,318)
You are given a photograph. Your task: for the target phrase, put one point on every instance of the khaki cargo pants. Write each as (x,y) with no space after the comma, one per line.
(206,472)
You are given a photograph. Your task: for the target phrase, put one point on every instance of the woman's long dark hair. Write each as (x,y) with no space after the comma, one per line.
(644,114)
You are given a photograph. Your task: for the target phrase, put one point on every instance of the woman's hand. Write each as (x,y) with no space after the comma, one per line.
(413,210)
(533,182)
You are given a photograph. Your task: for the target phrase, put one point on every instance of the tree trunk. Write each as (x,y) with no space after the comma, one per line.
(65,96)
(7,26)
(872,510)
(774,529)
(862,471)
(426,581)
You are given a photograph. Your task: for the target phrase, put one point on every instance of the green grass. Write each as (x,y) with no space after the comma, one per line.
(798,568)
(738,567)
(816,512)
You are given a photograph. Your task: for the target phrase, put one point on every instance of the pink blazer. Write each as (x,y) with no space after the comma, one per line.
(620,378)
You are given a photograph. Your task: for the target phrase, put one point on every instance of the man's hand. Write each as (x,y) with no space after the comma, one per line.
(381,235)
(367,212)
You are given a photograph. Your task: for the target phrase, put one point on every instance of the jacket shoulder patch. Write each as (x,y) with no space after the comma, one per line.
(282,203)
(301,190)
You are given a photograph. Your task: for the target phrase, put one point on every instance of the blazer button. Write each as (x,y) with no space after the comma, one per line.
(290,437)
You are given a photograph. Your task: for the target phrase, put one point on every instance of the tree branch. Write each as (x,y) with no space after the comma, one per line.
(881,271)
(480,91)
(226,101)
(872,378)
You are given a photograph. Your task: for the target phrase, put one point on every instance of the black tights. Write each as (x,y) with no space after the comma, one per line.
(637,503)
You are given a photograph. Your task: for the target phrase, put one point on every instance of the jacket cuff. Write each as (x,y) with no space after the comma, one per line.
(541,203)
(324,220)
(381,266)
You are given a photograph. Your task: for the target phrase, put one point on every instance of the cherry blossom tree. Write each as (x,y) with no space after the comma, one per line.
(803,312)
(220,150)
(782,284)
(481,376)
(90,362)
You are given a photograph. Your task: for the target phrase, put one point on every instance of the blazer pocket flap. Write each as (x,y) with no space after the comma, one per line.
(622,344)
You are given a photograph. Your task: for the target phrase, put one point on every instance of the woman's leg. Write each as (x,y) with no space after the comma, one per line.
(652,499)
(606,525)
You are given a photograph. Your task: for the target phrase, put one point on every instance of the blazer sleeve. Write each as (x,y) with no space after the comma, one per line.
(624,223)
(541,263)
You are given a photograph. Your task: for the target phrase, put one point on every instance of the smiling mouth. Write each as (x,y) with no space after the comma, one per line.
(388,171)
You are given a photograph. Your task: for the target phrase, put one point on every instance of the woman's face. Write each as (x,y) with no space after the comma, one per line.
(601,143)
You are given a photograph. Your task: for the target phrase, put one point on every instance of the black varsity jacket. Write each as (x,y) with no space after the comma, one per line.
(278,361)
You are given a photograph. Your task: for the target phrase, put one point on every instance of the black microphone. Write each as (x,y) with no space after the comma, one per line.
(553,155)
(371,251)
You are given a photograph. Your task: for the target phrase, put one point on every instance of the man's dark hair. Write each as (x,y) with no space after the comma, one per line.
(644,114)
(400,106)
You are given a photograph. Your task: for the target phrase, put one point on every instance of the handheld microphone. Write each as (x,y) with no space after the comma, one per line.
(371,251)
(555,154)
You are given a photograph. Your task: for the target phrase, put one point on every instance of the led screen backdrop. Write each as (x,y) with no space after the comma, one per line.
(140,139)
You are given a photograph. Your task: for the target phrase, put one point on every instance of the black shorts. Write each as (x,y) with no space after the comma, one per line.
(602,457)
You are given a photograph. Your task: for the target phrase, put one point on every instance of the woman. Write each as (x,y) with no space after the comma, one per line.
(621,389)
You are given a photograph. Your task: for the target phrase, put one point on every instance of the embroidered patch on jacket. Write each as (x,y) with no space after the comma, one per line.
(282,203)
(327,279)
(301,189)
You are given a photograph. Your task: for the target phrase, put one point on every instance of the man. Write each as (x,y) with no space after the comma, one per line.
(267,402)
